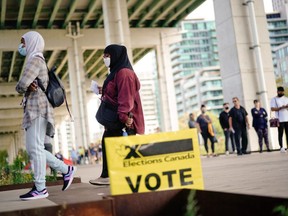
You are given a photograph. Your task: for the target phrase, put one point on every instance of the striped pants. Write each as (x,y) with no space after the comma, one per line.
(35,135)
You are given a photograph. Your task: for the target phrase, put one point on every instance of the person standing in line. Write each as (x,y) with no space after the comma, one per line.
(81,153)
(121,90)
(205,126)
(238,123)
(192,123)
(74,156)
(224,122)
(259,123)
(279,105)
(38,119)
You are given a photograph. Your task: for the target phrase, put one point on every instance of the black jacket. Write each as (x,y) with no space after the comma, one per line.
(224,120)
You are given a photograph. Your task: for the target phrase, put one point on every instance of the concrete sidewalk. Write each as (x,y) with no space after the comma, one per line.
(263,174)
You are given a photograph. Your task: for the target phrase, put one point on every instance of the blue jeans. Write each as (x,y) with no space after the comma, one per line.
(35,135)
(229,135)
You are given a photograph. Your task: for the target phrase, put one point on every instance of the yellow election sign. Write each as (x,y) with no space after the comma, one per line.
(154,162)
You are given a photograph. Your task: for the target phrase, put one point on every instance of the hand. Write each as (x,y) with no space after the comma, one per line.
(100,89)
(129,122)
(33,87)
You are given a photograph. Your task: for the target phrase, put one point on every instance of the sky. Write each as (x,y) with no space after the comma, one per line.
(206,11)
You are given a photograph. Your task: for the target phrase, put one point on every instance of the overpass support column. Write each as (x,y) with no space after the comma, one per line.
(244,66)
(169,117)
(78,88)
(116,24)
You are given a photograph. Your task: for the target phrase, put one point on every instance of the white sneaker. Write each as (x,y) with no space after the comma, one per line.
(227,153)
(282,150)
(100,181)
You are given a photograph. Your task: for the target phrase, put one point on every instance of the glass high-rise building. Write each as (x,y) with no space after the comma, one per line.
(278,4)
(278,35)
(195,66)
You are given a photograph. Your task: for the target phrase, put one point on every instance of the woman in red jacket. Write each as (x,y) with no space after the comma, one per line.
(121,90)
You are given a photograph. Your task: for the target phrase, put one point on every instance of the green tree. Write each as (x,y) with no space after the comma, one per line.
(3,158)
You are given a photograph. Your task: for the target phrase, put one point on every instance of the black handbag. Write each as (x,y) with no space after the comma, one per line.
(274,122)
(108,117)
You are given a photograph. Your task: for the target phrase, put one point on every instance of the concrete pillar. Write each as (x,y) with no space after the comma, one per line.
(116,24)
(239,70)
(77,87)
(63,143)
(169,117)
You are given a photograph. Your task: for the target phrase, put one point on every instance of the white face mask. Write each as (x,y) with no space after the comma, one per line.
(106,61)
(22,49)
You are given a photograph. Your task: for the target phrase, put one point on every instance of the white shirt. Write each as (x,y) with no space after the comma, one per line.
(282,114)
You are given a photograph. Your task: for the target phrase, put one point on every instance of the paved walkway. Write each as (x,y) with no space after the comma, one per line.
(263,174)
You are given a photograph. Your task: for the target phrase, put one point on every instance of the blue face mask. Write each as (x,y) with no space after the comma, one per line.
(22,49)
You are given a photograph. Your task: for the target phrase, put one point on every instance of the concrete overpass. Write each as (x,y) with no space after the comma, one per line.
(75,33)
(75,38)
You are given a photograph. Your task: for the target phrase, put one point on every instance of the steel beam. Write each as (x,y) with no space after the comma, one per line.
(3,13)
(92,8)
(12,66)
(53,15)
(20,13)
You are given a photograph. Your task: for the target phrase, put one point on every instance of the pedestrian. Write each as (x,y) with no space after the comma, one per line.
(259,123)
(279,105)
(238,124)
(206,129)
(81,153)
(99,153)
(224,122)
(38,116)
(121,90)
(192,123)
(74,156)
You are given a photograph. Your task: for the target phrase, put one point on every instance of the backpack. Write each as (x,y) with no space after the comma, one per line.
(55,91)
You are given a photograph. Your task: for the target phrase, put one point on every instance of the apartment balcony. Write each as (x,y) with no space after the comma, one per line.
(211,98)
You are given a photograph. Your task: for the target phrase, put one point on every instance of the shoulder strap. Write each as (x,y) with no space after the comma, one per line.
(276,102)
(71,117)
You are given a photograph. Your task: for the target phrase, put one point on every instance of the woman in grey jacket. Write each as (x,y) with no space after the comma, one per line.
(38,116)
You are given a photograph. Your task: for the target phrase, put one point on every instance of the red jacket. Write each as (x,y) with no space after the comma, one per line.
(123,91)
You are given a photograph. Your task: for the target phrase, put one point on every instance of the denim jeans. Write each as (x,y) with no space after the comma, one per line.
(229,135)
(35,135)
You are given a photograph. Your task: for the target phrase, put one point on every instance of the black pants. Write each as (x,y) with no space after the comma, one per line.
(283,126)
(110,133)
(229,135)
(205,136)
(241,133)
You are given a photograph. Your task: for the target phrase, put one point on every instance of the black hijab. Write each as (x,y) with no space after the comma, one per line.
(118,60)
